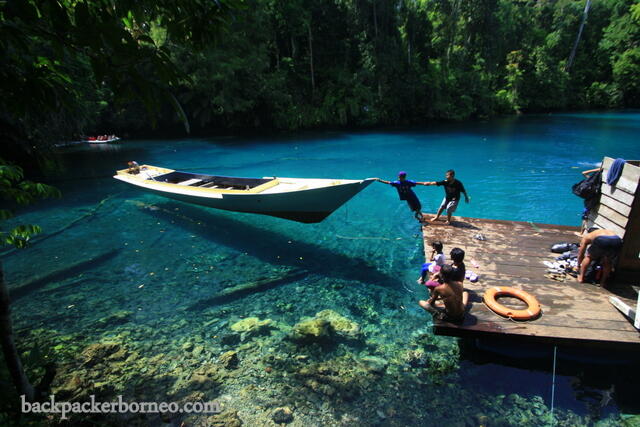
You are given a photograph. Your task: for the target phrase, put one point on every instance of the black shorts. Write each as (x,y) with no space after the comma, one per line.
(605,246)
(414,204)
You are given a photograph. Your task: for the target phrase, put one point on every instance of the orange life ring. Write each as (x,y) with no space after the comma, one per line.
(531,312)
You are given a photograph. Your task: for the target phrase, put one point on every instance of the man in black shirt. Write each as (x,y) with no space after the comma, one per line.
(452,190)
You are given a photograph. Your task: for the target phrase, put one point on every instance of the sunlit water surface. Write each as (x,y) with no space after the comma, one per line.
(108,248)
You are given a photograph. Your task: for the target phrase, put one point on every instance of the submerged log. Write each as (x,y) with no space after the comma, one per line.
(26,288)
(42,237)
(252,287)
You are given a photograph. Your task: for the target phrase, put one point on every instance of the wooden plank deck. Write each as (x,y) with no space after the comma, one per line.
(513,255)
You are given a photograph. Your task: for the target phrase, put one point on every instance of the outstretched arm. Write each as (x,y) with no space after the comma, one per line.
(427,183)
(464,191)
(590,171)
(583,247)
(382,181)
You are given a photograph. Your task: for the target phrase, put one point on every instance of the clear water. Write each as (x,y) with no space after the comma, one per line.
(108,248)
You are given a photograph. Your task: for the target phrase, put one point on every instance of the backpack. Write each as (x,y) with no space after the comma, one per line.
(588,187)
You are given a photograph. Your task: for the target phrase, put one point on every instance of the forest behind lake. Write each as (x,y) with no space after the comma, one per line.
(76,69)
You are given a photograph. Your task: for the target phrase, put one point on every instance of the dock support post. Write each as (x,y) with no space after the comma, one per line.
(553,384)
(636,323)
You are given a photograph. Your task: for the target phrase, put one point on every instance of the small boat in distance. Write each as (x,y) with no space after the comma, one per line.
(299,199)
(100,139)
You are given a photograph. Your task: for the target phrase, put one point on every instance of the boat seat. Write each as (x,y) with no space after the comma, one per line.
(210,185)
(190,181)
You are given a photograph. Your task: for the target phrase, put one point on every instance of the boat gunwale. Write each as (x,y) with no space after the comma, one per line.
(150,183)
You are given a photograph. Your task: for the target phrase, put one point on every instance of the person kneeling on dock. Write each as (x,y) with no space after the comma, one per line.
(601,246)
(452,295)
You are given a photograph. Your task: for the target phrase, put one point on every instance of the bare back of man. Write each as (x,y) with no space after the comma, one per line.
(586,255)
(452,296)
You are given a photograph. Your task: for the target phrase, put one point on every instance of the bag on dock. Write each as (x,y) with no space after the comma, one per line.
(559,248)
(588,187)
(593,273)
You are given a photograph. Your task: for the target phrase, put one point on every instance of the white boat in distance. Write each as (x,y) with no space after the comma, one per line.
(298,199)
(100,141)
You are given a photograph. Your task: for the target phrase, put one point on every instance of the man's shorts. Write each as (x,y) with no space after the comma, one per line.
(414,204)
(605,246)
(450,205)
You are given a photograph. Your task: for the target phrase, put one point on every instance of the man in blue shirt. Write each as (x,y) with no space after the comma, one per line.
(452,190)
(404,185)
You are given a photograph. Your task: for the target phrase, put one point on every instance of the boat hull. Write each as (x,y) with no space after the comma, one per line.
(104,141)
(310,205)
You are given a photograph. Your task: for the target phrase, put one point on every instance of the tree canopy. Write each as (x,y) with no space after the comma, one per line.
(68,67)
(62,63)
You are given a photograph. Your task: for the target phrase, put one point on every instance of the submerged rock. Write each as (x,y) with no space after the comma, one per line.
(282,415)
(325,325)
(229,360)
(97,353)
(340,324)
(197,351)
(374,364)
(252,326)
(226,418)
(73,387)
(206,377)
(311,330)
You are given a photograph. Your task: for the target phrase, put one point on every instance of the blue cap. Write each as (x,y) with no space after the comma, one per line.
(402,173)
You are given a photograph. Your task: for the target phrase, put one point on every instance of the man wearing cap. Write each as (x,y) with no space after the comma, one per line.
(404,185)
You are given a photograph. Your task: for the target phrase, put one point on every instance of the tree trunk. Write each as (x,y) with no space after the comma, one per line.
(11,356)
(313,77)
(575,45)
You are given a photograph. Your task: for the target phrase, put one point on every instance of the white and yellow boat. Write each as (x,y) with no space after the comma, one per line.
(298,199)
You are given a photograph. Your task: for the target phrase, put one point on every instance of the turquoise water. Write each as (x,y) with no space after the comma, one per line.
(120,266)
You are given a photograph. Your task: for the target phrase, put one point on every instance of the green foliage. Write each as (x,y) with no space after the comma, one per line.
(626,74)
(299,64)
(57,58)
(14,189)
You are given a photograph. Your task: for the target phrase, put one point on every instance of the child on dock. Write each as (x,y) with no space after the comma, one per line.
(404,185)
(453,296)
(437,260)
(459,269)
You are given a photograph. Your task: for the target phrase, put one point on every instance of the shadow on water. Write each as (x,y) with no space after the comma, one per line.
(241,292)
(268,246)
(84,163)
(91,263)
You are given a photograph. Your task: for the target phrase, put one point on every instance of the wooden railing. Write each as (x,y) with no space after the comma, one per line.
(619,211)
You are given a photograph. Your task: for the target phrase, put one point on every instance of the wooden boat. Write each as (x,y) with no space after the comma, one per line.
(94,140)
(298,199)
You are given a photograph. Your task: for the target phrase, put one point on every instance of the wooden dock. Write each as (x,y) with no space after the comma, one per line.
(513,255)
